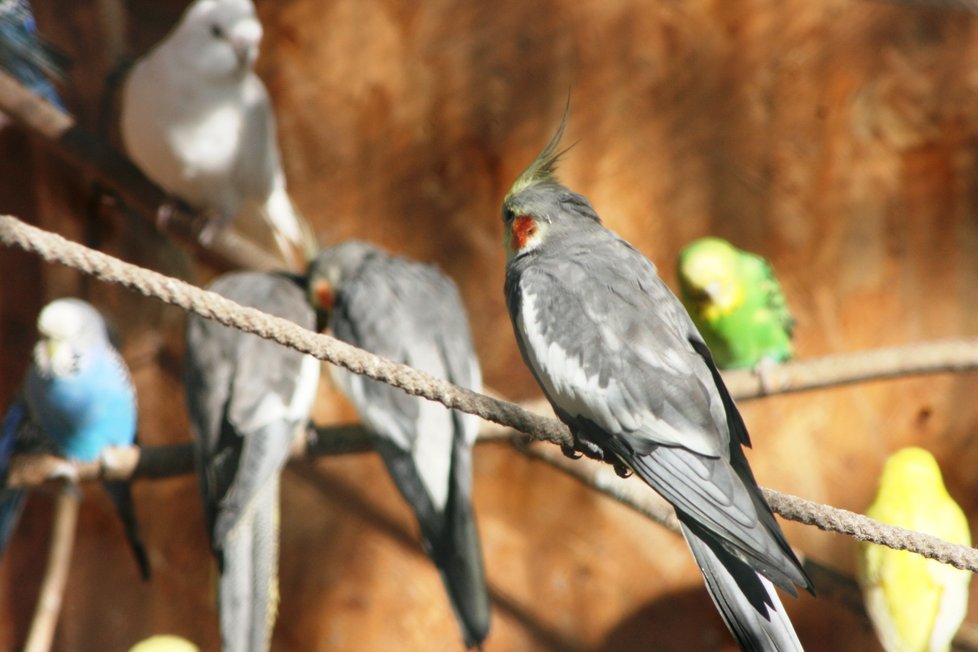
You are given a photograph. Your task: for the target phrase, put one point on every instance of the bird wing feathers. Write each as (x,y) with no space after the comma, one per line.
(606,344)
(758,271)
(624,366)
(258,165)
(410,313)
(379,311)
(247,396)
(915,602)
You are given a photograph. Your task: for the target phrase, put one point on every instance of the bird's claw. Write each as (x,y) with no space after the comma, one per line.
(111,459)
(164,214)
(621,470)
(763,370)
(214,223)
(571,452)
(64,471)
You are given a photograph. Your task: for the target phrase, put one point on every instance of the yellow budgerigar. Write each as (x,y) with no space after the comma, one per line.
(916,604)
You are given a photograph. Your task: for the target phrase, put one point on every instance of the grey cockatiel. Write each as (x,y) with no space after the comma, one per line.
(412,313)
(248,399)
(624,367)
(198,121)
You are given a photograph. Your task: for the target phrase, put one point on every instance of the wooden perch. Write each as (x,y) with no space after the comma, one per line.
(150,462)
(56,575)
(942,356)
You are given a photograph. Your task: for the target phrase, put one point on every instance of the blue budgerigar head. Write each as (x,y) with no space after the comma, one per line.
(79,390)
(70,333)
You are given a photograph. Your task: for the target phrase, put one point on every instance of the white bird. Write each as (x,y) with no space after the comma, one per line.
(198,121)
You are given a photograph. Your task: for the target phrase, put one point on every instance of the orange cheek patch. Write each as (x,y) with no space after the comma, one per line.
(324,296)
(524,228)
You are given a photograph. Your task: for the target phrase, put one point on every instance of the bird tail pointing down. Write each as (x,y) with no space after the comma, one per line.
(249,575)
(458,557)
(121,494)
(293,234)
(747,601)
(450,536)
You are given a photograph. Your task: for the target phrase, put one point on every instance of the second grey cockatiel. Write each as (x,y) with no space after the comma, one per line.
(411,313)
(624,367)
(248,399)
(197,120)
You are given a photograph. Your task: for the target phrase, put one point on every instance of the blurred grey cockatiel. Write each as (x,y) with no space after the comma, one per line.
(248,399)
(198,121)
(624,367)
(411,313)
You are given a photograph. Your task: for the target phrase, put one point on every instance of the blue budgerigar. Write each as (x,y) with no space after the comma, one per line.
(248,399)
(78,400)
(25,55)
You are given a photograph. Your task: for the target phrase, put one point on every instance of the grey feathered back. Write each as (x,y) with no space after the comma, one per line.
(412,313)
(248,398)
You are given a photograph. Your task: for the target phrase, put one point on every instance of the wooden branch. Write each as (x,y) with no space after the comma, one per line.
(56,575)
(941,356)
(154,462)
(970,6)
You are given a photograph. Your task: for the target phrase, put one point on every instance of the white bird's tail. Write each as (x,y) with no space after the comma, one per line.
(293,234)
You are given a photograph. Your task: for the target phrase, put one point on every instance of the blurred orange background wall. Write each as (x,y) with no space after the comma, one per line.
(839,139)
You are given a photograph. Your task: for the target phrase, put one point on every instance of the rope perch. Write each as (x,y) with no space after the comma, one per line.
(54,248)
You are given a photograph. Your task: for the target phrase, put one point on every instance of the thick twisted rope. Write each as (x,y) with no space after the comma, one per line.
(54,248)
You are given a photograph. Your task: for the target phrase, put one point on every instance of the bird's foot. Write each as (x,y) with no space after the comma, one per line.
(621,470)
(165,213)
(763,370)
(214,223)
(64,471)
(117,461)
(571,452)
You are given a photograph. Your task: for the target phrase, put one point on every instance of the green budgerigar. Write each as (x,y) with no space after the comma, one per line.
(736,303)
(916,604)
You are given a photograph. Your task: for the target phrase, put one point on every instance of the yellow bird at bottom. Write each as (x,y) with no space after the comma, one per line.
(916,604)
